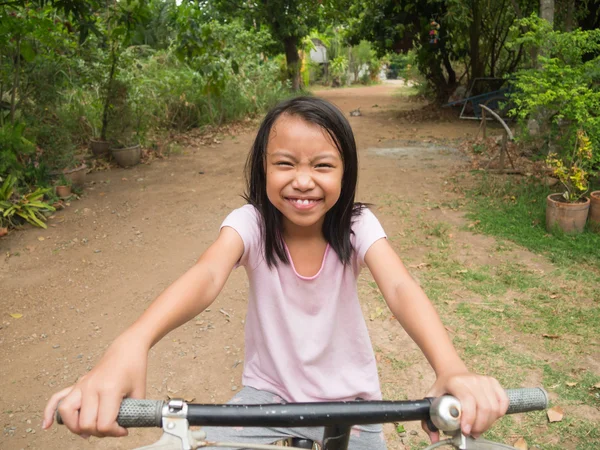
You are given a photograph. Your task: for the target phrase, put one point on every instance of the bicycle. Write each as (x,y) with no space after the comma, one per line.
(443,413)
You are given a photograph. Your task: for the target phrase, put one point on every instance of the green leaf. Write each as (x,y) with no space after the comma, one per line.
(27,51)
(400,429)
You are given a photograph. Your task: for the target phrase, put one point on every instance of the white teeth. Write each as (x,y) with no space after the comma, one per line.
(306,202)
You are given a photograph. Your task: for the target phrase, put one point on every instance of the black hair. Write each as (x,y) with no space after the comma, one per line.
(338,220)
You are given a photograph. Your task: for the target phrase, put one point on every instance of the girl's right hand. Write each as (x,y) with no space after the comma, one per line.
(90,407)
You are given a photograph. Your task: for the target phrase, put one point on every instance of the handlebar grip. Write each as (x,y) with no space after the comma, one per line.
(526,399)
(136,413)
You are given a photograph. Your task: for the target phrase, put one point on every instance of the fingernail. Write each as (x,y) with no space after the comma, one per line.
(85,436)
(43,424)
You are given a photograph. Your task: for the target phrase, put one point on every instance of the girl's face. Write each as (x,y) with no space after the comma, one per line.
(304,172)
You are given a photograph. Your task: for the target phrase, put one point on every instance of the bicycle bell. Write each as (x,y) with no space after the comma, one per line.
(445,413)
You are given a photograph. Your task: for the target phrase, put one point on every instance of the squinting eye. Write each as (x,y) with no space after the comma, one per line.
(327,166)
(283,163)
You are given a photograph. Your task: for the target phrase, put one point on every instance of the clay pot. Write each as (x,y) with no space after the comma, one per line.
(100,149)
(76,175)
(128,156)
(569,217)
(594,217)
(63,191)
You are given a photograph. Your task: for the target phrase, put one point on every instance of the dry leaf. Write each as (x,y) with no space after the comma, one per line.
(596,386)
(555,414)
(571,383)
(41,238)
(3,231)
(16,315)
(462,271)
(521,444)
(554,296)
(551,336)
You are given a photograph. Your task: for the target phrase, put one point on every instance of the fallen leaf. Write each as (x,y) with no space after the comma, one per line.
(551,336)
(420,266)
(571,383)
(554,296)
(596,386)
(16,315)
(462,271)
(555,414)
(41,238)
(521,444)
(3,231)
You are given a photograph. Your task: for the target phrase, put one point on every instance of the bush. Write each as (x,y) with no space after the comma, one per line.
(563,93)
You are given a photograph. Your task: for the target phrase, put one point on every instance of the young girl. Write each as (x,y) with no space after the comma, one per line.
(302,241)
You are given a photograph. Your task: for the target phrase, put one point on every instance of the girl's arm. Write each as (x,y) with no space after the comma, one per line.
(482,398)
(90,407)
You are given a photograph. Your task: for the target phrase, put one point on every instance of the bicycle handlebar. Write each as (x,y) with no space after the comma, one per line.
(149,413)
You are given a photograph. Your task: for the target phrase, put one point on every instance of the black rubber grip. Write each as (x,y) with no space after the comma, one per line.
(526,399)
(136,413)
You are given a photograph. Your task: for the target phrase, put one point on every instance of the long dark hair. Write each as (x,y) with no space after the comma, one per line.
(336,227)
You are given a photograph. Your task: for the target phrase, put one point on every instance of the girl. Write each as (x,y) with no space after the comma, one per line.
(302,241)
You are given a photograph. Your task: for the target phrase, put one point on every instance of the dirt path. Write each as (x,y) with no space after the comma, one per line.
(81,282)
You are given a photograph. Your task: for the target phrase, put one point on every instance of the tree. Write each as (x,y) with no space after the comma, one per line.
(473,36)
(288,21)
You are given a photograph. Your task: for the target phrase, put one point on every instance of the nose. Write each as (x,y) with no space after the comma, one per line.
(303,181)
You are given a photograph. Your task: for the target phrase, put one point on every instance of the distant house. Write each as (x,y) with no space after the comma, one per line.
(319,53)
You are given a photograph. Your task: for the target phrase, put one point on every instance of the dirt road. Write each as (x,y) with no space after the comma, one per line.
(79,283)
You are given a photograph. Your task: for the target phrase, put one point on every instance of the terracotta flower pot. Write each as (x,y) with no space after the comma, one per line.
(100,149)
(595,211)
(76,175)
(63,191)
(569,217)
(128,156)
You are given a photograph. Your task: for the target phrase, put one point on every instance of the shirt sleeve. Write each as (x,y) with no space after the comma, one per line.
(367,230)
(245,221)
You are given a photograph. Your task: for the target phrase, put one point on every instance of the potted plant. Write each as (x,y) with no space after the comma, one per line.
(63,187)
(126,132)
(569,209)
(74,171)
(123,19)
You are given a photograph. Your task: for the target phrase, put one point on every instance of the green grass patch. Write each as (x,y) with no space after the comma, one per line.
(516,210)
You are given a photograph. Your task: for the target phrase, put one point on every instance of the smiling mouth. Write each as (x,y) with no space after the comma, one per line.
(303,202)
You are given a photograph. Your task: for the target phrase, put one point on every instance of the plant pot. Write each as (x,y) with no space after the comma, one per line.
(100,149)
(128,156)
(63,191)
(76,175)
(569,217)
(595,211)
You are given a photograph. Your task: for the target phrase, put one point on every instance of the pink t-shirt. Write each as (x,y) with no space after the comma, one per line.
(306,337)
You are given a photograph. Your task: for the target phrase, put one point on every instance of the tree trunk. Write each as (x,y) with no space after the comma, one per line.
(293,60)
(570,19)
(17,78)
(474,35)
(547,10)
(111,77)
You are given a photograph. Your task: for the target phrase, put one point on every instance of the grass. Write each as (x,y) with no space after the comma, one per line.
(515,211)
(526,320)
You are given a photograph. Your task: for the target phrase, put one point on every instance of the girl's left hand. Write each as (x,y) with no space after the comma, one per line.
(482,398)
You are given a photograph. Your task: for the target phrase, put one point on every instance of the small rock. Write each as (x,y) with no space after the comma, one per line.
(97,251)
(234,388)
(140,179)
(414,432)
(56,346)
(201,172)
